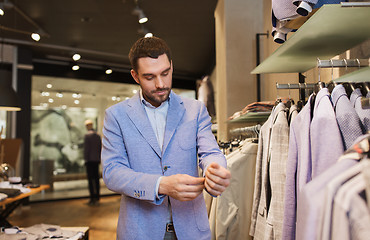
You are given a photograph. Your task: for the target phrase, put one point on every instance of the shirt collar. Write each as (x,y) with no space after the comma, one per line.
(148,104)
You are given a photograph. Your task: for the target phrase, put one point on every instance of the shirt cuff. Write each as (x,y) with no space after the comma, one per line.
(158,196)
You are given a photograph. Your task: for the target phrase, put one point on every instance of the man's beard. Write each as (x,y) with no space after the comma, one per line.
(157,98)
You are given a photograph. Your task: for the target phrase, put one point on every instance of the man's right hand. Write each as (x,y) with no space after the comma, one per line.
(181,186)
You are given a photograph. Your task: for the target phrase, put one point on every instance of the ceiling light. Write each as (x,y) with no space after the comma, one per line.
(59,95)
(76,95)
(144,31)
(134,91)
(45,94)
(118,99)
(148,35)
(64,107)
(127,98)
(51,100)
(77,101)
(76,57)
(75,67)
(35,36)
(44,105)
(139,12)
(2,9)
(49,85)
(114,98)
(142,18)
(108,71)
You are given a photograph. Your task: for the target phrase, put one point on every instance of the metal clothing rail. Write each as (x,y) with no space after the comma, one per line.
(295,86)
(253,129)
(334,63)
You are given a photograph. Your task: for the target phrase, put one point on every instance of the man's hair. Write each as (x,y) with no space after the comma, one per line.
(151,47)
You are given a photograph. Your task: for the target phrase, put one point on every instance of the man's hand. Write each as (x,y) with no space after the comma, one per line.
(217,179)
(181,186)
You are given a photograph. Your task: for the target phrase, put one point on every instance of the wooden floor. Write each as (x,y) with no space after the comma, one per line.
(101,220)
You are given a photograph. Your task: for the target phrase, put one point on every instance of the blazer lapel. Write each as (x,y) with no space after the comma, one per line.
(175,112)
(140,119)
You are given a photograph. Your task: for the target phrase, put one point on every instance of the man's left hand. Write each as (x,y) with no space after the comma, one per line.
(217,179)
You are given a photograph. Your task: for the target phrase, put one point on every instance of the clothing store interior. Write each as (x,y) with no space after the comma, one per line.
(285,82)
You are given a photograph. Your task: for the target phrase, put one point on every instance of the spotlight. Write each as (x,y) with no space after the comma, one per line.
(142,18)
(139,12)
(77,101)
(59,95)
(2,9)
(76,57)
(49,85)
(75,67)
(149,34)
(51,100)
(144,31)
(36,37)
(108,71)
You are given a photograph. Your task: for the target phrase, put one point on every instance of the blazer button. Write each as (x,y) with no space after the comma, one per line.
(165,168)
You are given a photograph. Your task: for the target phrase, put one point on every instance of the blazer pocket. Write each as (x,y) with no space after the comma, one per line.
(188,135)
(200,213)
(261,211)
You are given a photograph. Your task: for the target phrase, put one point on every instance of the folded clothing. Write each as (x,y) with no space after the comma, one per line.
(11,192)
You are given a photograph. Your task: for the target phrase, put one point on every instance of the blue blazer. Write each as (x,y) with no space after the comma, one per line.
(132,163)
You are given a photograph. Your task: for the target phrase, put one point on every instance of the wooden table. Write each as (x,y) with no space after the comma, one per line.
(11,203)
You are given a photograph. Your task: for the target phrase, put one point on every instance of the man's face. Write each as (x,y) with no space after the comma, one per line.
(155,78)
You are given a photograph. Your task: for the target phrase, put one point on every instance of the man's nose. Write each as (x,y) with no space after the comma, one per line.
(159,83)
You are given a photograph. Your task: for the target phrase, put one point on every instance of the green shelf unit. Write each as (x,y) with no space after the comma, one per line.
(362,75)
(332,30)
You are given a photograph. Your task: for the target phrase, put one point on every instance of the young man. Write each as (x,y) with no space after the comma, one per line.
(150,148)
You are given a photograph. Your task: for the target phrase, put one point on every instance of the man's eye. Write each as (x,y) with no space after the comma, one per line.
(149,77)
(165,74)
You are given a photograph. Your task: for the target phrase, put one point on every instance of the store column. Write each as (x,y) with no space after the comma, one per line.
(23,68)
(237,23)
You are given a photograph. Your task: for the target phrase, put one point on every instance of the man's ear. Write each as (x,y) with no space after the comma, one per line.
(135,76)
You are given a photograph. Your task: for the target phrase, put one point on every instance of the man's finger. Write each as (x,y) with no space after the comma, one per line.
(220,172)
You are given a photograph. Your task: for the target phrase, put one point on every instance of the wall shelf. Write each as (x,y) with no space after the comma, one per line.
(362,75)
(332,30)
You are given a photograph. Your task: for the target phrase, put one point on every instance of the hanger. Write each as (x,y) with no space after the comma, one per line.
(278,99)
(290,101)
(333,84)
(319,85)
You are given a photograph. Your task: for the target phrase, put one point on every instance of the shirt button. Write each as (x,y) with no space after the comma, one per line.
(165,168)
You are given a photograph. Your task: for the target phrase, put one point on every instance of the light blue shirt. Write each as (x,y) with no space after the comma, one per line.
(157,117)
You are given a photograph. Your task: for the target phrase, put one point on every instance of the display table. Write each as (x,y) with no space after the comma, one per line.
(85,230)
(9,204)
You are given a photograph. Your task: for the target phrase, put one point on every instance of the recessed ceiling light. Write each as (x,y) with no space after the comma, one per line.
(76,57)
(49,85)
(108,71)
(51,100)
(77,101)
(75,67)
(36,37)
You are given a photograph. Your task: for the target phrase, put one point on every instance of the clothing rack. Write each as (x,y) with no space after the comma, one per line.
(246,130)
(335,63)
(295,86)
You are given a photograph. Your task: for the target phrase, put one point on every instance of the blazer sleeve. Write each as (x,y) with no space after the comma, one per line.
(117,174)
(208,149)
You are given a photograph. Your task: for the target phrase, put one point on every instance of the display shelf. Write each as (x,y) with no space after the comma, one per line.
(362,75)
(332,30)
(251,117)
